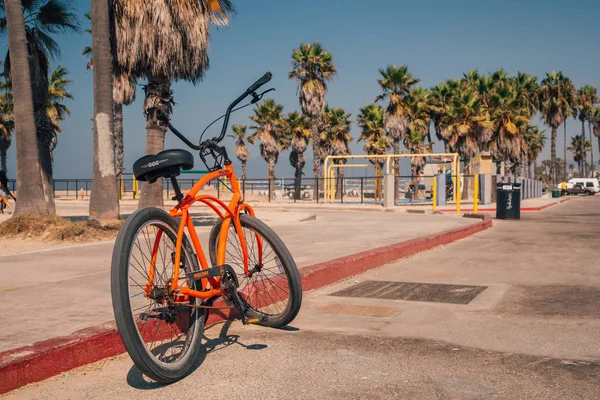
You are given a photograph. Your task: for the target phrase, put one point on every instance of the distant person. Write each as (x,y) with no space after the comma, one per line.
(421,188)
(564,188)
(411,192)
(5,192)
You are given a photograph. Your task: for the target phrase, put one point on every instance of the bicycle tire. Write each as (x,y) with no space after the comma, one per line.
(249,223)
(128,327)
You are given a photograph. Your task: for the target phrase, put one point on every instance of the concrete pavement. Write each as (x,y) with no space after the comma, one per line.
(56,292)
(533,333)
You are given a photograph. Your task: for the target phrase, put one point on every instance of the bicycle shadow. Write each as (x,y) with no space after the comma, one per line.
(136,379)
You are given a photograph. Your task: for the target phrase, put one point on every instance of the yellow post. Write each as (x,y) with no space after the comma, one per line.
(476,193)
(458,194)
(121,187)
(136,193)
(434,194)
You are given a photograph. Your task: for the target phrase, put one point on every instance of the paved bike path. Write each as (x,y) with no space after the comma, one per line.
(535,338)
(54,293)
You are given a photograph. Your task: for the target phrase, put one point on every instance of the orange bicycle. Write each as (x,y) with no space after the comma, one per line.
(161,282)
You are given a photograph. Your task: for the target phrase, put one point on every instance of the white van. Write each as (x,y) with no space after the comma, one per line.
(586,184)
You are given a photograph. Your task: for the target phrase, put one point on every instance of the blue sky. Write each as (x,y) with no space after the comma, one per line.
(436,39)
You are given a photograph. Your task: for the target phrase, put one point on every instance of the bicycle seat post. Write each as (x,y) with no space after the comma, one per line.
(177,189)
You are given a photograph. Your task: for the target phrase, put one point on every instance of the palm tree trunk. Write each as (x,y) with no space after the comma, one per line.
(271,175)
(29,178)
(316,162)
(339,183)
(378,182)
(38,72)
(565,150)
(243,170)
(535,169)
(3,159)
(466,180)
(598,142)
(104,200)
(396,170)
(297,179)
(583,139)
(592,167)
(553,171)
(119,138)
(429,135)
(157,90)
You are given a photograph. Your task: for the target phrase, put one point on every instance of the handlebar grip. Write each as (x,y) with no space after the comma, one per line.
(265,78)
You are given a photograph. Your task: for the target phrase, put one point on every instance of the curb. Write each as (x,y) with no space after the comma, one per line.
(19,367)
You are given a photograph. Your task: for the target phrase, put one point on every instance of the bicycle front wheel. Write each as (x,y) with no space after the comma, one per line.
(273,290)
(160,329)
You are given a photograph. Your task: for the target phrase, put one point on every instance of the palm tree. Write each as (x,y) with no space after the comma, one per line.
(510,118)
(569,110)
(584,104)
(554,107)
(295,128)
(441,97)
(124,90)
(397,84)
(419,115)
(370,121)
(420,108)
(312,68)
(163,42)
(527,88)
(58,93)
(571,168)
(267,117)
(104,200)
(580,146)
(42,19)
(595,119)
(7,121)
(29,182)
(535,140)
(241,150)
(337,134)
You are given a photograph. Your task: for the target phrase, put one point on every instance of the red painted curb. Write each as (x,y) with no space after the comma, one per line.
(42,360)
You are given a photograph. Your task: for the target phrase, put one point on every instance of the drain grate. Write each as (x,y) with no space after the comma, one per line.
(413,291)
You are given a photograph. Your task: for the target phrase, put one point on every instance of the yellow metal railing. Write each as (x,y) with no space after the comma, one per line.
(457,195)
(476,194)
(434,194)
(329,174)
(330,182)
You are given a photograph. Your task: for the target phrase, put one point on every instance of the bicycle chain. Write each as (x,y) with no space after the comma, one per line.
(209,307)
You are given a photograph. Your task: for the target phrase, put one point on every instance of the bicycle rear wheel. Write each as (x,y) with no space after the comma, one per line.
(274,289)
(160,330)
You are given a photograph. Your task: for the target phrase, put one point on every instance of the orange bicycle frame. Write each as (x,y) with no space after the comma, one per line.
(227,212)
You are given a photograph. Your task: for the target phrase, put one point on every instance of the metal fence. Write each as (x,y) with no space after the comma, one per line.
(348,190)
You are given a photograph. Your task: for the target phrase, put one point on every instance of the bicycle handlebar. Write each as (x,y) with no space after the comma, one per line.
(162,117)
(264,79)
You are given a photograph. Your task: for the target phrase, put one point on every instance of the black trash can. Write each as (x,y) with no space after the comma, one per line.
(508,200)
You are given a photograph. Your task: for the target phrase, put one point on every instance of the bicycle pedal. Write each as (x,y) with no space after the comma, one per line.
(256,320)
